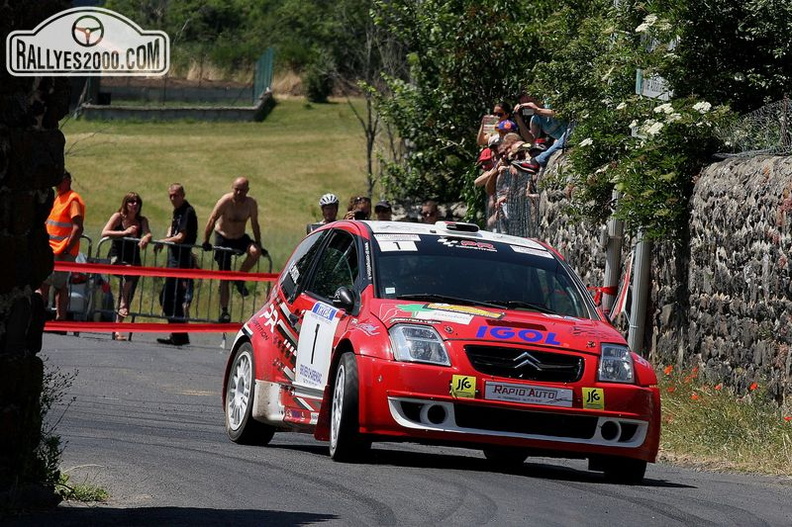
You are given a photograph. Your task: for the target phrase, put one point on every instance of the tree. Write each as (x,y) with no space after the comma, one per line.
(463,56)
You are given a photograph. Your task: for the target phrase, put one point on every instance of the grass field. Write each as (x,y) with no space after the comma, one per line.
(297,154)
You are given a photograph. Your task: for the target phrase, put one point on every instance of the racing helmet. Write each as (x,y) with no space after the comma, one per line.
(328,199)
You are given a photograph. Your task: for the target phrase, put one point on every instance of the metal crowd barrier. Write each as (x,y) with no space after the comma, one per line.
(93,307)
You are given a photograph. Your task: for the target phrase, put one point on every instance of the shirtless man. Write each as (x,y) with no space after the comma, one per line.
(228,220)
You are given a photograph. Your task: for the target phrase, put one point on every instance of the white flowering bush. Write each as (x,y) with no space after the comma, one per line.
(649,150)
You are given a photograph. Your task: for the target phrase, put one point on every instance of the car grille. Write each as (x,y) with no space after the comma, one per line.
(527,364)
(522,422)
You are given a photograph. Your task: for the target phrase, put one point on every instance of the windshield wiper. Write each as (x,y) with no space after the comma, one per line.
(512,304)
(446,298)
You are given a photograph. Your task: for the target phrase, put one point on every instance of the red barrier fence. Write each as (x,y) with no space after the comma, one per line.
(165,272)
(91,317)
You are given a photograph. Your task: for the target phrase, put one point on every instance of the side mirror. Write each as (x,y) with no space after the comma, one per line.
(344,298)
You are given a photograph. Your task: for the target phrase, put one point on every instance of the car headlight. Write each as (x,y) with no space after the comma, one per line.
(616,364)
(418,344)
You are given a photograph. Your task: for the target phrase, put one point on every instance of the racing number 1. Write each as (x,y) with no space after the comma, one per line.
(313,347)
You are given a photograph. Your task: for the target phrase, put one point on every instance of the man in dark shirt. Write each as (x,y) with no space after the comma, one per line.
(182,233)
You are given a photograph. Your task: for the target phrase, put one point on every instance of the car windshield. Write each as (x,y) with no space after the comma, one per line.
(477,272)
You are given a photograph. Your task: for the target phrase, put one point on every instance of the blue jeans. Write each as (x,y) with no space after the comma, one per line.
(558,144)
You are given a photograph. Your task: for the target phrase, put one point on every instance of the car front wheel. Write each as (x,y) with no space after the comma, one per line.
(240,425)
(620,469)
(505,457)
(345,441)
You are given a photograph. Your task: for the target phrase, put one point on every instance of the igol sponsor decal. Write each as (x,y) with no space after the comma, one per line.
(528,335)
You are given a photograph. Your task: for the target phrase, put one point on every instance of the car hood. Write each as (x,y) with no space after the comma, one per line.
(460,322)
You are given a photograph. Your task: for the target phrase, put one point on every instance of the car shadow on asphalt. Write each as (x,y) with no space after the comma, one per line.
(67,515)
(541,468)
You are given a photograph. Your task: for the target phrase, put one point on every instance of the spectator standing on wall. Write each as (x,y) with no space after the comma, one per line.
(182,233)
(498,122)
(329,206)
(127,222)
(228,221)
(64,226)
(545,122)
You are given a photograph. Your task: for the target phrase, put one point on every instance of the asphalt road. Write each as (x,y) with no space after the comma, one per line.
(146,423)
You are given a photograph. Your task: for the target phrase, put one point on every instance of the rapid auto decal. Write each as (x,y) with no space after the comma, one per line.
(467,244)
(531,336)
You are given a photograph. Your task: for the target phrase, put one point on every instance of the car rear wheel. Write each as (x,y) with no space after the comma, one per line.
(240,425)
(345,441)
(505,457)
(620,469)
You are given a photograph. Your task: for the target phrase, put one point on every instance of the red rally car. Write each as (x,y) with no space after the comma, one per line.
(446,334)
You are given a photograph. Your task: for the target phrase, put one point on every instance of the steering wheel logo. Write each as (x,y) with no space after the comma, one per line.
(87,31)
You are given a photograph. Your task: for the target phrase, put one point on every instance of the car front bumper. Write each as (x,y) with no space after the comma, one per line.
(408,401)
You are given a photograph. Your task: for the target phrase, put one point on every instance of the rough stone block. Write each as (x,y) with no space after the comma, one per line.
(37,161)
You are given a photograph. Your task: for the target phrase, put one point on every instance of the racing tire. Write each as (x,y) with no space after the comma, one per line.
(239,423)
(345,441)
(623,470)
(504,457)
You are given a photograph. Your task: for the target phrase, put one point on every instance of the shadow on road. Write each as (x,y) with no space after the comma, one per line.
(542,468)
(74,516)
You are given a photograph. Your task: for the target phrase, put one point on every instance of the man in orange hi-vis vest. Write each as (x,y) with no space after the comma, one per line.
(64,226)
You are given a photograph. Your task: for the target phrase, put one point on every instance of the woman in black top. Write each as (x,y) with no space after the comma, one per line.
(130,233)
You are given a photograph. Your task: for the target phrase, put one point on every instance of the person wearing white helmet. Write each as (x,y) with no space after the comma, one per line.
(329,205)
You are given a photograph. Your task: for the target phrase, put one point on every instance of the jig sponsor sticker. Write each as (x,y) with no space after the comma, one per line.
(594,398)
(463,386)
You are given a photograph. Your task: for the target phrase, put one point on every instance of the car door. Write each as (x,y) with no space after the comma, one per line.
(315,319)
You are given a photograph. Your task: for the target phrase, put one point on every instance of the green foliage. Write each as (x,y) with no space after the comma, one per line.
(735,53)
(318,79)
(80,492)
(48,453)
(463,57)
(231,34)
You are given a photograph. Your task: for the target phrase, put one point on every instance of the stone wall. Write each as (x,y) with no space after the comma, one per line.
(31,163)
(739,279)
(722,300)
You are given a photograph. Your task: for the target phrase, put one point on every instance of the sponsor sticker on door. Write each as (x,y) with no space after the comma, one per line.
(528,394)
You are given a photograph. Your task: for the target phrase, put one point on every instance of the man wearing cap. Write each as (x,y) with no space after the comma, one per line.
(64,226)
(329,206)
(383,211)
